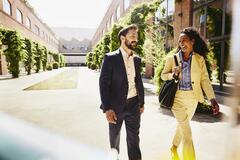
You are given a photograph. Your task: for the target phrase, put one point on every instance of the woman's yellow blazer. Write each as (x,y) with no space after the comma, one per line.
(199,75)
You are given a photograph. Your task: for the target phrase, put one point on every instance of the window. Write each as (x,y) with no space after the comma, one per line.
(28,23)
(118,12)
(43,34)
(112,20)
(228,17)
(213,21)
(197,3)
(164,22)
(126,4)
(19,16)
(199,19)
(7,7)
(37,30)
(108,25)
(166,9)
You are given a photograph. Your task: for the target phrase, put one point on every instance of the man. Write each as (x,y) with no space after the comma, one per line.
(122,93)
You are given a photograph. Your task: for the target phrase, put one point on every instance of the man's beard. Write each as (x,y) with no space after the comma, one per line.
(131,45)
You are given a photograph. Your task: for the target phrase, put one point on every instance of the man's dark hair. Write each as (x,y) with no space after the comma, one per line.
(125,30)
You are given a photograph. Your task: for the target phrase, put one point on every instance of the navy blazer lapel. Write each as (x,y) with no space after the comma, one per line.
(136,65)
(121,64)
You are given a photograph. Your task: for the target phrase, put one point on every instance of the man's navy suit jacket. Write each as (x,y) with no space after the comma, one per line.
(113,82)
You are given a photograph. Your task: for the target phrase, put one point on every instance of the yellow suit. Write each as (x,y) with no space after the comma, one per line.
(185,102)
(199,76)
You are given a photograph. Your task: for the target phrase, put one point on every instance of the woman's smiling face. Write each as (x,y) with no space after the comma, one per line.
(185,43)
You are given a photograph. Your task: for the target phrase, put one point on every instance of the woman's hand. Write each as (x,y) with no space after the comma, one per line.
(215,106)
(177,70)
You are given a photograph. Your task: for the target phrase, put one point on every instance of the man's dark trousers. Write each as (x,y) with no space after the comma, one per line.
(131,116)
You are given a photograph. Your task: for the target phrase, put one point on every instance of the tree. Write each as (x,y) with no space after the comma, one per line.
(138,15)
(114,41)
(14,52)
(29,55)
(62,60)
(44,58)
(38,57)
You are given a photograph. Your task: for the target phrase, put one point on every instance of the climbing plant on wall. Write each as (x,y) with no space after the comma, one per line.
(139,15)
(29,55)
(14,52)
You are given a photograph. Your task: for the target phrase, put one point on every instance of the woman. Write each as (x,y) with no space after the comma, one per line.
(193,78)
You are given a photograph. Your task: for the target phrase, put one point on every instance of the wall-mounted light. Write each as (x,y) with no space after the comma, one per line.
(180,14)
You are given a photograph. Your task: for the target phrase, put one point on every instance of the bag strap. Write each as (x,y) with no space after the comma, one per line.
(176,61)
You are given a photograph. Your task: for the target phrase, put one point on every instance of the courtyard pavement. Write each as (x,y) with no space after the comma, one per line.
(74,113)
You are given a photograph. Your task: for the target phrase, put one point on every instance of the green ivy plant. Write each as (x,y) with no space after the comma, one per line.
(38,57)
(29,55)
(14,52)
(62,60)
(25,51)
(139,15)
(44,58)
(1,45)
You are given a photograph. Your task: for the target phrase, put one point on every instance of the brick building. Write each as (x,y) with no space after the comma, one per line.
(116,10)
(19,15)
(212,18)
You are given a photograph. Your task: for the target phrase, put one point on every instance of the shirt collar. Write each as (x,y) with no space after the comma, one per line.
(124,53)
(181,56)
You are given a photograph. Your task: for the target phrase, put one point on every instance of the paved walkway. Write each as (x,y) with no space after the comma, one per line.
(75,113)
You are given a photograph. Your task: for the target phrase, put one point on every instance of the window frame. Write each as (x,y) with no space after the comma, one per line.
(221,39)
(5,8)
(28,23)
(17,16)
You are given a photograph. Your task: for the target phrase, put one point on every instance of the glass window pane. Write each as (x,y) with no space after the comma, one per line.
(228,18)
(19,16)
(7,7)
(37,30)
(228,76)
(171,7)
(199,18)
(163,9)
(197,3)
(214,19)
(215,53)
(157,16)
(126,4)
(28,23)
(112,20)
(118,12)
(170,37)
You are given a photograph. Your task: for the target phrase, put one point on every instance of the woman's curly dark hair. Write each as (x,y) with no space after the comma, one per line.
(200,45)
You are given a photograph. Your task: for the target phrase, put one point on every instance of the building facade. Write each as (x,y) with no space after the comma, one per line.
(75,51)
(19,15)
(212,18)
(116,10)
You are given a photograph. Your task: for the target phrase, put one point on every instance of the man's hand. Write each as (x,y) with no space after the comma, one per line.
(141,109)
(111,116)
(215,106)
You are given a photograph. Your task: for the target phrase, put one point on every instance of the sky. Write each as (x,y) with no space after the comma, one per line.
(71,13)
